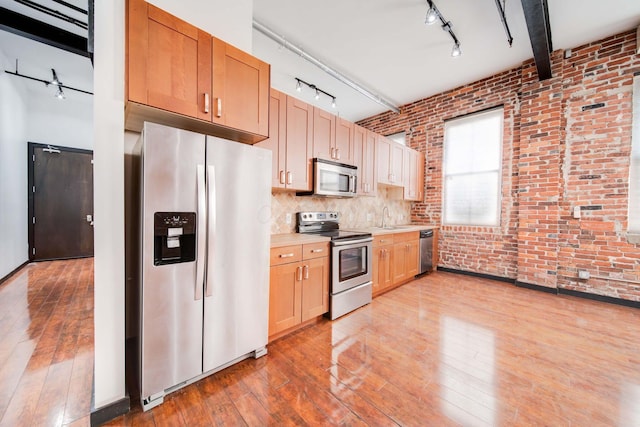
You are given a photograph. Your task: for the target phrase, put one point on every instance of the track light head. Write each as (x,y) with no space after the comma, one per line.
(432,16)
(60,94)
(298,86)
(333,103)
(317,95)
(456,51)
(55,81)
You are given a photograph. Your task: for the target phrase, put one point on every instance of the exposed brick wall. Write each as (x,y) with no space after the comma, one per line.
(555,156)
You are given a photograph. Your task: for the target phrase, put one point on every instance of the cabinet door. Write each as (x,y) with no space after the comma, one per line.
(324,134)
(240,89)
(277,137)
(410,174)
(413,258)
(384,160)
(400,254)
(315,287)
(169,61)
(397,163)
(420,180)
(285,289)
(299,137)
(359,134)
(344,141)
(369,164)
(382,268)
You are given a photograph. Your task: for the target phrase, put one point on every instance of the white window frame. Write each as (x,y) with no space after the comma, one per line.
(633,215)
(447,177)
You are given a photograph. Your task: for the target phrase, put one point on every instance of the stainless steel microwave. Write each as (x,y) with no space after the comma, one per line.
(333,179)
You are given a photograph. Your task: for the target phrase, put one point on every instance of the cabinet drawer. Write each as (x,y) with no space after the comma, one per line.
(404,237)
(286,254)
(315,250)
(385,239)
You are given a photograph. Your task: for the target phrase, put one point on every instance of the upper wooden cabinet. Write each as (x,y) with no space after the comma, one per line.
(364,157)
(179,75)
(413,174)
(240,89)
(290,140)
(390,162)
(277,141)
(298,174)
(324,134)
(344,141)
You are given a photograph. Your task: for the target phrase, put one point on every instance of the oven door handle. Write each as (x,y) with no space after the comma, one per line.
(352,242)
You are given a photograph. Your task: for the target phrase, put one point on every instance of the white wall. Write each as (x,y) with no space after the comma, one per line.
(227,20)
(13,172)
(230,21)
(68,123)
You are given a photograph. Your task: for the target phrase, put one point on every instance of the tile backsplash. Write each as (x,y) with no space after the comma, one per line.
(357,212)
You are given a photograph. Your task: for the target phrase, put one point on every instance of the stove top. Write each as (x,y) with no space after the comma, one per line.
(326,224)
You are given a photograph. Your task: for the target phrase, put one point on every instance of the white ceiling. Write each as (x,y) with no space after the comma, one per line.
(36,59)
(382,44)
(385,45)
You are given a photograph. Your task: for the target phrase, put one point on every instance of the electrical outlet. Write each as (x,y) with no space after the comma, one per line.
(583,274)
(369,217)
(287,218)
(577,212)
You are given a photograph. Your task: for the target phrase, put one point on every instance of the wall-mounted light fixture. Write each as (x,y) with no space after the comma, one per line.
(317,91)
(433,14)
(55,81)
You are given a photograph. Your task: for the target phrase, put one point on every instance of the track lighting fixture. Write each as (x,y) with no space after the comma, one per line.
(316,91)
(433,14)
(55,81)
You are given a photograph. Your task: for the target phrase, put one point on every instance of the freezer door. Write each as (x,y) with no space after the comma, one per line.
(236,310)
(171,298)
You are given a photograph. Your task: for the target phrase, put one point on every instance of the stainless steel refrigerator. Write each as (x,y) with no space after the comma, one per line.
(204,286)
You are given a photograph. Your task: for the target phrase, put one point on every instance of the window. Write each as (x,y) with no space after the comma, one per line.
(634,167)
(472,166)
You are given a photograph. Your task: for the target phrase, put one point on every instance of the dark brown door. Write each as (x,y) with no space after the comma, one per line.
(61,203)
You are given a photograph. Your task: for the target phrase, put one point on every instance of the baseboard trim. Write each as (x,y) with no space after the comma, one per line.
(601,298)
(15,270)
(474,274)
(109,412)
(536,287)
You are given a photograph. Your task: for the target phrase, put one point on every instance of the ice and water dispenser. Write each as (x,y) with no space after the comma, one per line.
(174,237)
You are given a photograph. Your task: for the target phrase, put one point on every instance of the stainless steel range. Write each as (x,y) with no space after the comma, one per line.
(351,254)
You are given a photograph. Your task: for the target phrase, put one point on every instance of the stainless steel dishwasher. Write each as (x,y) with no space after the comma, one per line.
(426,251)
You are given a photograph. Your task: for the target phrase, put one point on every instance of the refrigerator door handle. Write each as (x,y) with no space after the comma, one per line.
(211,228)
(202,232)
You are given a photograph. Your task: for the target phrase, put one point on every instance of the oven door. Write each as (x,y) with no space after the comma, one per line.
(351,264)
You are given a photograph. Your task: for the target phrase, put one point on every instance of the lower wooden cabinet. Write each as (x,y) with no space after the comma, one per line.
(396,260)
(298,286)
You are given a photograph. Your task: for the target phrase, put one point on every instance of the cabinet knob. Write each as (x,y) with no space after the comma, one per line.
(206,103)
(306,272)
(281,177)
(315,251)
(286,255)
(299,273)
(289,178)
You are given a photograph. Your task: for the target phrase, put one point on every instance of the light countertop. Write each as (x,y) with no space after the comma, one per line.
(286,239)
(396,229)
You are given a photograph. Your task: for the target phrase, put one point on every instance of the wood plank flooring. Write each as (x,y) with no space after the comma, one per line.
(443,350)
(46,350)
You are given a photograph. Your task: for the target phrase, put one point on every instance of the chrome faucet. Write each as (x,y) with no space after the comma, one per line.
(385,209)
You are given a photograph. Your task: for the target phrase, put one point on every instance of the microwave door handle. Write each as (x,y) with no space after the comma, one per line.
(352,184)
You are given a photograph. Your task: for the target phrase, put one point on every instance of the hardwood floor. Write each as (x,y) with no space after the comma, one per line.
(443,350)
(46,350)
